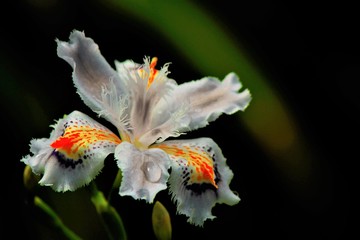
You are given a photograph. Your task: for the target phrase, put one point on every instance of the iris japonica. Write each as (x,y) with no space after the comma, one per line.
(147,108)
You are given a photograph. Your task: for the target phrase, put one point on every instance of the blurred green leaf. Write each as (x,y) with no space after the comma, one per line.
(212,50)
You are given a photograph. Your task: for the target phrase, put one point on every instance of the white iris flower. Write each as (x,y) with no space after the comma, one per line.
(147,108)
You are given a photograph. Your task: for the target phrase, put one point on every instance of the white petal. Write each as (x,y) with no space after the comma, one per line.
(127,68)
(169,126)
(207,99)
(73,155)
(93,76)
(145,173)
(199,177)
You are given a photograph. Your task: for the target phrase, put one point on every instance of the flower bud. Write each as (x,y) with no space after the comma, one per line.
(161,222)
(30,179)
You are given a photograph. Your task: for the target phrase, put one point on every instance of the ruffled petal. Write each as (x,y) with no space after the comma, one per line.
(98,84)
(205,100)
(145,173)
(148,87)
(73,155)
(199,177)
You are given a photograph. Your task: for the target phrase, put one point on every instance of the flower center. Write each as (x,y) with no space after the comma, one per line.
(152,171)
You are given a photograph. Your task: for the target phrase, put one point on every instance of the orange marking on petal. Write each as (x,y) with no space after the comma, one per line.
(77,139)
(198,160)
(65,143)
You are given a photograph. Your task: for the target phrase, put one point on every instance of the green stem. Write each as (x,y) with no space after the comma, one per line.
(116,185)
(55,219)
(110,218)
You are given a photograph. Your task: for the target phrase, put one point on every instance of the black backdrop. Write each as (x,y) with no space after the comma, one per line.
(309,51)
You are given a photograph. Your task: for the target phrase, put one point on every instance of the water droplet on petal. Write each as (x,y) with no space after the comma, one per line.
(152,171)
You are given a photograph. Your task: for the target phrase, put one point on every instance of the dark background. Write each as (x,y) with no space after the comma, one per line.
(309,51)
